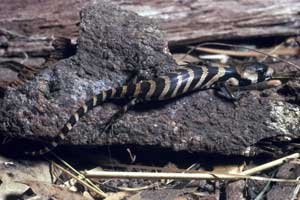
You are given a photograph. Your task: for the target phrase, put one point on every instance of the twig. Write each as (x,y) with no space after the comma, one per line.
(102,194)
(264,190)
(285,51)
(272,52)
(296,191)
(241,46)
(79,175)
(180,176)
(270,164)
(126,189)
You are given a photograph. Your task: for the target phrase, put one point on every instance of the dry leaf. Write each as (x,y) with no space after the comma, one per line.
(12,171)
(117,196)
(52,191)
(166,194)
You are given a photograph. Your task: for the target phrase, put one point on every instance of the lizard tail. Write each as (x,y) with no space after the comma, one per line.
(86,107)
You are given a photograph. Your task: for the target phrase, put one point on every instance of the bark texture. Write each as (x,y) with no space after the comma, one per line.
(183,21)
(197,21)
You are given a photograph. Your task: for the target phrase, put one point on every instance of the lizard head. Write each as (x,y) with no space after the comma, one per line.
(251,73)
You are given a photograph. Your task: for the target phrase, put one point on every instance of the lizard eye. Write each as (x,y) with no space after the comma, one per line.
(256,72)
(251,70)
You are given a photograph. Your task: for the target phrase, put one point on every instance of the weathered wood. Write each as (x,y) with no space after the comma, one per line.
(21,57)
(29,27)
(183,21)
(43,18)
(202,20)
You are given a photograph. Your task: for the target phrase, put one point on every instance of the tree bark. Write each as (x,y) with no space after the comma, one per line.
(202,20)
(183,21)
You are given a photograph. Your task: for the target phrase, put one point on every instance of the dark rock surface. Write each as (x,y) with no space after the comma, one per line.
(235,190)
(113,46)
(285,190)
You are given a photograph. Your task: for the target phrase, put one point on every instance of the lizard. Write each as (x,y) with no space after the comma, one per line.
(183,80)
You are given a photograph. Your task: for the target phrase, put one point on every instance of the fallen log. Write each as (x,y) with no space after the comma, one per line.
(183,21)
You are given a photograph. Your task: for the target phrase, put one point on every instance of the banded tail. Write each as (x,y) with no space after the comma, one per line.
(144,89)
(95,101)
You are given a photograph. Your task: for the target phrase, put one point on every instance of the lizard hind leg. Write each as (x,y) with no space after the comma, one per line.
(120,113)
(226,93)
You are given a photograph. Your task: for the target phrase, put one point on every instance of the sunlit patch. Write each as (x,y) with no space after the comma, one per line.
(233,81)
(269,73)
(166,88)
(124,91)
(151,89)
(178,84)
(76,116)
(54,144)
(95,100)
(113,92)
(69,126)
(62,136)
(85,108)
(202,78)
(137,90)
(253,77)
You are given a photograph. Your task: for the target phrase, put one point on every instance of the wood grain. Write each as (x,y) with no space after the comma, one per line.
(183,21)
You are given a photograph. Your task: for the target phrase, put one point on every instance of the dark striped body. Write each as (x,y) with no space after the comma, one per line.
(171,85)
(162,88)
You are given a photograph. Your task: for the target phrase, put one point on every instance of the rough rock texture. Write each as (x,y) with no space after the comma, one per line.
(285,190)
(113,46)
(235,190)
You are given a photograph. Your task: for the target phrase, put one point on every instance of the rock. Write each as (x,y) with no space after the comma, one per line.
(285,190)
(235,190)
(113,46)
